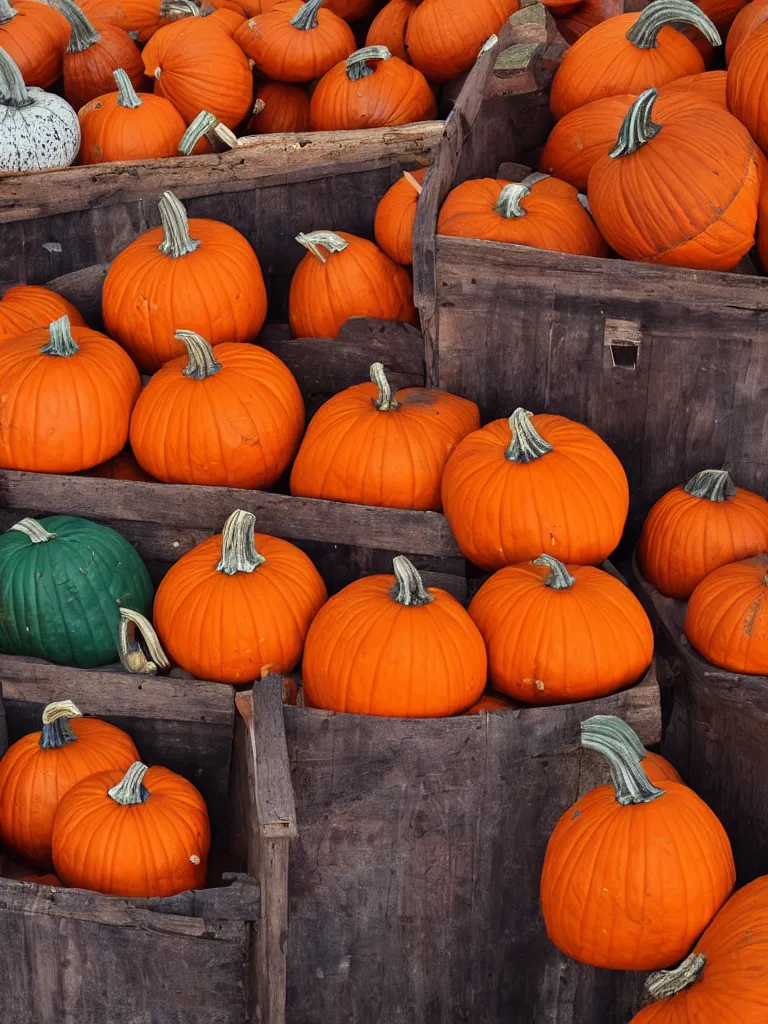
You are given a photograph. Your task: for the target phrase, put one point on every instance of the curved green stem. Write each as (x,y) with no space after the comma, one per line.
(645,31)
(526,444)
(357,62)
(202,362)
(36,532)
(131,789)
(132,650)
(558,577)
(663,984)
(637,128)
(84,34)
(628,734)
(13,91)
(61,341)
(126,94)
(632,786)
(313,240)
(306,17)
(238,544)
(409,589)
(177,241)
(204,123)
(712,484)
(385,401)
(57,731)
(510,197)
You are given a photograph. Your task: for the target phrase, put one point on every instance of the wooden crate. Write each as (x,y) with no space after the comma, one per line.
(715,728)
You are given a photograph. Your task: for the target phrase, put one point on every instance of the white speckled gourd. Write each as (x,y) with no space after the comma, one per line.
(37,129)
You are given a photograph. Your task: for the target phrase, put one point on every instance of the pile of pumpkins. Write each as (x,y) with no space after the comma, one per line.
(150,78)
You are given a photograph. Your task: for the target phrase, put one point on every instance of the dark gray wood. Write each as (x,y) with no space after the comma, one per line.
(274,792)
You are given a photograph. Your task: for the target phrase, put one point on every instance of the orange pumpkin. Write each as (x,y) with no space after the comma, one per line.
(388,645)
(41,767)
(709,86)
(389,26)
(141,832)
(444,37)
(681,186)
(747,88)
(580,138)
(197,69)
(27,306)
(749,18)
(35,37)
(630,53)
(47,879)
(122,467)
(238,602)
(406,437)
(560,633)
(279,107)
(727,616)
(491,701)
(95,51)
(694,529)
(296,41)
(724,978)
(126,125)
(350,10)
(230,416)
(135,16)
(200,275)
(633,873)
(580,487)
(354,279)
(355,94)
(535,215)
(253,8)
(67,399)
(573,24)
(395,217)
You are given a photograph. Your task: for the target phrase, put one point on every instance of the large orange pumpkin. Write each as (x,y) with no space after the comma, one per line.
(355,278)
(444,37)
(749,18)
(681,186)
(279,107)
(630,53)
(141,832)
(694,529)
(67,399)
(199,67)
(724,978)
(389,26)
(27,306)
(388,645)
(126,125)
(534,484)
(370,89)
(35,37)
(633,873)
(141,17)
(709,86)
(41,767)
(560,633)
(747,89)
(230,416)
(237,603)
(727,616)
(580,138)
(395,217)
(199,275)
(406,436)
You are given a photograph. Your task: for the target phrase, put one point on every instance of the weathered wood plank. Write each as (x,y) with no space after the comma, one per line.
(274,793)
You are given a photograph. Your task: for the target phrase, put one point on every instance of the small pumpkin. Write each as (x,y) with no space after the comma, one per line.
(388,645)
(747,87)
(67,399)
(141,832)
(573,24)
(126,125)
(122,467)
(37,770)
(296,41)
(34,36)
(351,10)
(633,873)
(230,416)
(727,616)
(25,307)
(140,18)
(749,18)
(238,602)
(491,701)
(630,53)
(279,107)
(444,37)
(694,529)
(97,569)
(580,138)
(580,487)
(200,275)
(681,186)
(709,86)
(355,279)
(370,446)
(395,217)
(354,94)
(40,130)
(389,26)
(559,633)
(46,879)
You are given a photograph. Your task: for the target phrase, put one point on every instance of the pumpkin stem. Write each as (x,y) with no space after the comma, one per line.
(409,589)
(238,544)
(83,32)
(61,341)
(306,17)
(204,123)
(357,66)
(534,177)
(131,789)
(602,734)
(712,484)
(201,363)
(385,400)
(413,183)
(126,94)
(177,241)
(628,734)
(558,578)
(13,91)
(327,239)
(132,652)
(175,10)
(637,128)
(6,12)
(645,31)
(526,444)
(36,532)
(258,107)
(663,984)
(510,197)
(57,731)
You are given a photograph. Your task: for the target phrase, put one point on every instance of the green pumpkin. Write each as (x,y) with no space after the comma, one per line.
(63,581)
